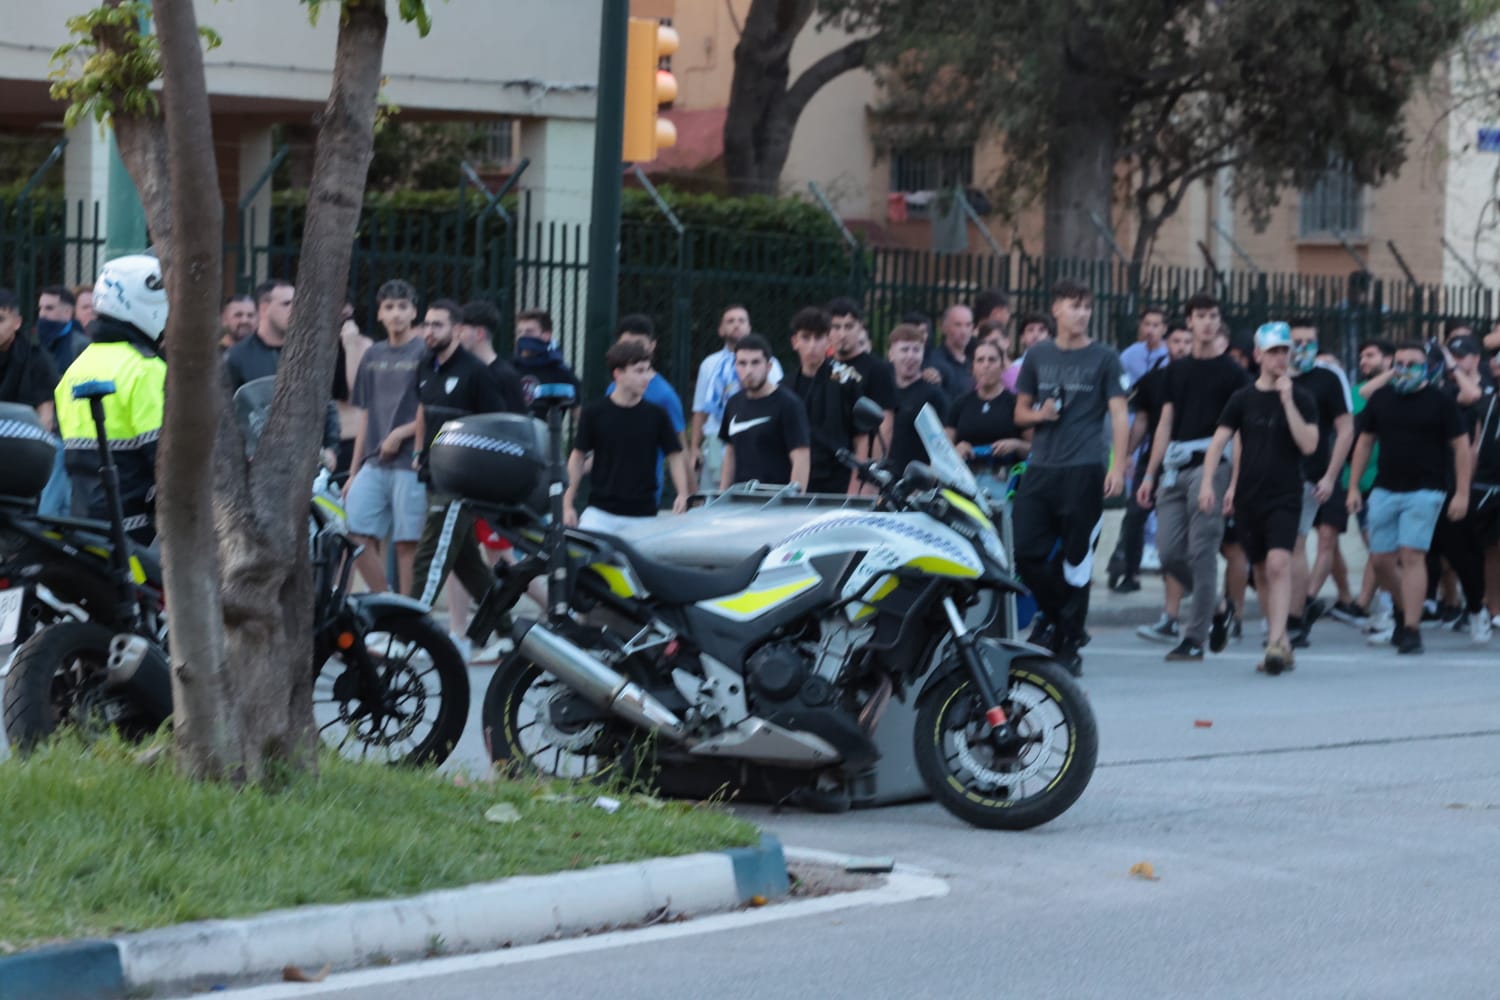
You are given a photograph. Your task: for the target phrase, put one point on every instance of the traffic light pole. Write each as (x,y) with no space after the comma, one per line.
(604,221)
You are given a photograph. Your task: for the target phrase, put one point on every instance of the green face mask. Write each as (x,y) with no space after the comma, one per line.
(1304,356)
(1409,378)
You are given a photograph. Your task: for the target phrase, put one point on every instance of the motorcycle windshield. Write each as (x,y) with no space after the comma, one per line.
(252,404)
(942,456)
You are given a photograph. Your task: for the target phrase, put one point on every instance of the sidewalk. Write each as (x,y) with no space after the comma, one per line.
(490,915)
(1144,606)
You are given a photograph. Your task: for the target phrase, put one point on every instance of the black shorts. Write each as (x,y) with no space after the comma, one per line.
(1267,528)
(1333,513)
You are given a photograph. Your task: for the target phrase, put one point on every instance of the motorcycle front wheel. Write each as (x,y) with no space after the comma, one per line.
(410,710)
(56,680)
(1025,779)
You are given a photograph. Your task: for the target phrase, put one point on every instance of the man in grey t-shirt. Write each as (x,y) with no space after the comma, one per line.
(1066,389)
(383,496)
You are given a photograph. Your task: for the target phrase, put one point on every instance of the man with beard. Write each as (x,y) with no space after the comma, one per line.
(764,429)
(451,383)
(236,320)
(259,354)
(717,381)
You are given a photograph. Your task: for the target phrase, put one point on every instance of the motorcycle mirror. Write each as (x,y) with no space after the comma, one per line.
(919,476)
(867,416)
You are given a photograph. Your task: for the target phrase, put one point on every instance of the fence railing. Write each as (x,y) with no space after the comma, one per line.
(683,280)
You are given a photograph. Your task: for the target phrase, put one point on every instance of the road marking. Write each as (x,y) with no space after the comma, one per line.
(904,885)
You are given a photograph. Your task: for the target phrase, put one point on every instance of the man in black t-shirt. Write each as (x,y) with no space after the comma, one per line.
(764,429)
(451,383)
(1422,442)
(1145,401)
(478,330)
(851,346)
(828,389)
(912,393)
(1275,424)
(1461,543)
(624,432)
(1322,502)
(1197,388)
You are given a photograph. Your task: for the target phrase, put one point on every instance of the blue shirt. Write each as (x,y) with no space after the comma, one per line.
(1137,359)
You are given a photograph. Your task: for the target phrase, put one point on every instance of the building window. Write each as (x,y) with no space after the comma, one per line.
(497,142)
(1333,206)
(931,169)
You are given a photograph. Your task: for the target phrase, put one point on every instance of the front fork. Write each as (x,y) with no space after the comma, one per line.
(968,649)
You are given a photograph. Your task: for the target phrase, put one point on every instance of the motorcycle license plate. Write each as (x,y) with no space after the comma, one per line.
(10,613)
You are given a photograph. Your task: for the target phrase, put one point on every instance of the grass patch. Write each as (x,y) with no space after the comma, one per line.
(94,843)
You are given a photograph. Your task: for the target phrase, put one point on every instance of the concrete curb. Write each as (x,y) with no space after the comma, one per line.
(521,910)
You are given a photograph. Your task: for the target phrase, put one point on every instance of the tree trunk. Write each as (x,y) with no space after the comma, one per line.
(763,110)
(1081,166)
(266,583)
(193,269)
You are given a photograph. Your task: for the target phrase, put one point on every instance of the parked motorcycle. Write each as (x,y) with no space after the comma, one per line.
(774,672)
(388,683)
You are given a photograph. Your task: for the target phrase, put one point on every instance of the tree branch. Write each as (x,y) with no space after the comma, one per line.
(823,72)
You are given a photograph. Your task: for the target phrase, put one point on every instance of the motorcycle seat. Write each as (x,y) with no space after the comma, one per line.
(674,584)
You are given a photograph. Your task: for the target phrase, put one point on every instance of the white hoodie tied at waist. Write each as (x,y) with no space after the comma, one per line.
(1181,453)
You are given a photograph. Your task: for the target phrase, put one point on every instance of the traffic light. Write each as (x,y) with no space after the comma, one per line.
(647,87)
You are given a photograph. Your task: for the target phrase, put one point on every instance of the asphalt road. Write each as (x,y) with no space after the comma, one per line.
(1332,833)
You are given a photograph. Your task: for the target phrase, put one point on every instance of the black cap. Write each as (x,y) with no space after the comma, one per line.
(1462,346)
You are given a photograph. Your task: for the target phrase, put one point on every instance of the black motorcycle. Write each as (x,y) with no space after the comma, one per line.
(389,684)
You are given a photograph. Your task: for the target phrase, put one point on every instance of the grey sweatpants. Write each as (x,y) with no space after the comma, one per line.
(1189,541)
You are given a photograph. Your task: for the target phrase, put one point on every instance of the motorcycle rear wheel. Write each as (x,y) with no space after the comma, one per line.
(523,732)
(426,696)
(57,680)
(1019,783)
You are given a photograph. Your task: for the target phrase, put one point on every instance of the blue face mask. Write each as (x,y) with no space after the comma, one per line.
(1304,357)
(1409,378)
(48,330)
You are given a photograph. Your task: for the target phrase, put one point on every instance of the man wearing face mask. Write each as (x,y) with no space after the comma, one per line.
(59,334)
(1322,503)
(1422,441)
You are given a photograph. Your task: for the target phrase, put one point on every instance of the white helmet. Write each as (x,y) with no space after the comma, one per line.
(130,290)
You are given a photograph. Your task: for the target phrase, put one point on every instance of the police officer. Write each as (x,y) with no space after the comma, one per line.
(130,302)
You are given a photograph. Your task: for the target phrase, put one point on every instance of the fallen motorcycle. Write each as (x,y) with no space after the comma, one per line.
(774,672)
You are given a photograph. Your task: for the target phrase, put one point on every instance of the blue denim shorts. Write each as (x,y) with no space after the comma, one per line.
(1403,520)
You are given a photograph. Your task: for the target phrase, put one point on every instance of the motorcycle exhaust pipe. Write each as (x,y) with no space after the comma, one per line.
(596,681)
(139,668)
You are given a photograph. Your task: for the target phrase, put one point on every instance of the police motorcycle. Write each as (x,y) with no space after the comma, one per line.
(773,673)
(92,625)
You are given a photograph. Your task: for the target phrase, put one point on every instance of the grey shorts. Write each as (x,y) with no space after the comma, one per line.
(386,503)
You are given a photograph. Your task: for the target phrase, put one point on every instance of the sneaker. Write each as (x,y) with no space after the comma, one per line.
(1495,621)
(1128,585)
(1042,633)
(1185,650)
(1236,628)
(1165,630)
(494,652)
(1278,659)
(1218,632)
(1069,659)
(1480,627)
(1462,625)
(465,647)
(1449,615)
(1408,641)
(1381,620)
(1381,637)
(1150,560)
(1296,631)
(1350,613)
(1314,609)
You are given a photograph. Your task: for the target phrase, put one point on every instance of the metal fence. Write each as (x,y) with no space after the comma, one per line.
(683,279)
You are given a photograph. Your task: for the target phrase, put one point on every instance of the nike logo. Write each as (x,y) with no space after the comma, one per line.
(736,425)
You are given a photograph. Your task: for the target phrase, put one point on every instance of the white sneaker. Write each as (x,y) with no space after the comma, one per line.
(1382,620)
(1480,627)
(1381,637)
(1150,560)
(493,653)
(465,647)
(1166,630)
(1495,621)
